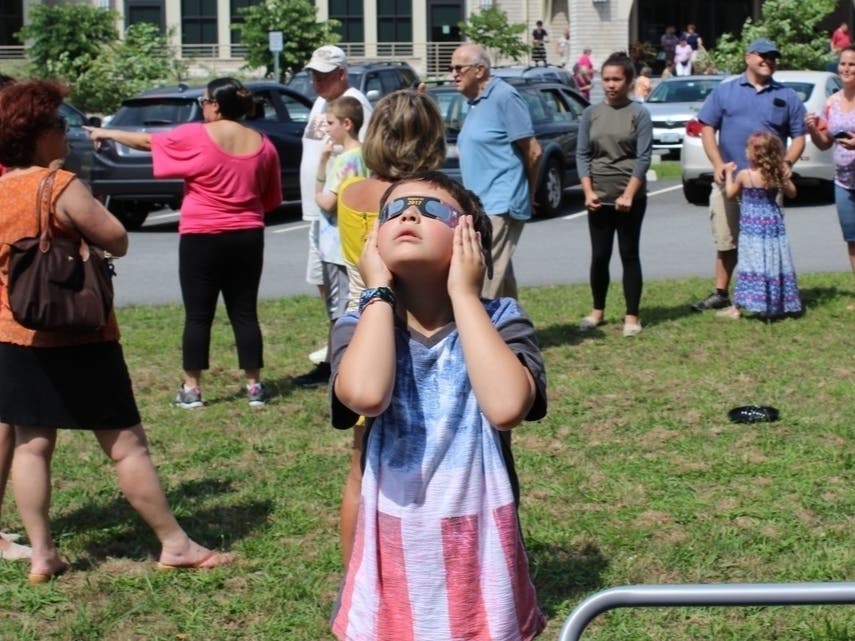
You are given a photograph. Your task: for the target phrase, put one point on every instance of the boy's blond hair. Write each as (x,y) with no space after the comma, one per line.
(348,108)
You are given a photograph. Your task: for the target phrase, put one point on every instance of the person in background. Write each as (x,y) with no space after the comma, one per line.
(668,70)
(582,77)
(585,60)
(840,38)
(539,38)
(406,134)
(683,58)
(328,70)
(499,158)
(341,159)
(442,372)
(232,177)
(735,109)
(765,279)
(73,380)
(693,39)
(644,84)
(564,48)
(668,42)
(836,126)
(9,549)
(613,155)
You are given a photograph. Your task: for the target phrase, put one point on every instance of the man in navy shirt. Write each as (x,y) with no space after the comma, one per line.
(737,108)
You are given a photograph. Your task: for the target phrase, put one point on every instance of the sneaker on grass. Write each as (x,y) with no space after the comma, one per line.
(188,398)
(257,394)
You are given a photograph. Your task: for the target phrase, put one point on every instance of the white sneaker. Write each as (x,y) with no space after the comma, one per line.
(319,355)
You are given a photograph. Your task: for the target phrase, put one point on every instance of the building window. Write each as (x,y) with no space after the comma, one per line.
(11,21)
(237,17)
(394,27)
(198,22)
(350,13)
(144,11)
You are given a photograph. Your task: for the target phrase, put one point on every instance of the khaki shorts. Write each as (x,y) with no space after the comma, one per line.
(724,219)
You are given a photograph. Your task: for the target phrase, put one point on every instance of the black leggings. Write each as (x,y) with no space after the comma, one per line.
(230,263)
(602,225)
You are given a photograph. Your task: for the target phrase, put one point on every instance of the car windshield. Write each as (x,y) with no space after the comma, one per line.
(154,112)
(803,89)
(683,90)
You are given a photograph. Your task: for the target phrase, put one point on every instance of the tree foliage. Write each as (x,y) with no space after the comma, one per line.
(791,25)
(66,38)
(301,33)
(490,28)
(124,68)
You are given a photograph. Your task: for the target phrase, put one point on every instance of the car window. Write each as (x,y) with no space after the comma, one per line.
(390,80)
(71,115)
(373,83)
(154,112)
(264,107)
(301,82)
(832,86)
(574,102)
(556,107)
(803,89)
(408,77)
(682,91)
(536,108)
(297,111)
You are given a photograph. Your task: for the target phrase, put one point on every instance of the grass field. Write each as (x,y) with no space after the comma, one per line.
(635,476)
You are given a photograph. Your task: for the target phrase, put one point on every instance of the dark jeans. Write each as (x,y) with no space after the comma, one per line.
(602,225)
(230,263)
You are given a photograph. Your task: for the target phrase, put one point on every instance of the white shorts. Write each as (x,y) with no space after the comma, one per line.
(314,268)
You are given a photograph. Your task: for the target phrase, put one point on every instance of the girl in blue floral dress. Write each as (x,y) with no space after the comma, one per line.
(765,278)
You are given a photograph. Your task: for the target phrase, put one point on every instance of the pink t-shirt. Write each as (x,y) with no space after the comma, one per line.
(222,191)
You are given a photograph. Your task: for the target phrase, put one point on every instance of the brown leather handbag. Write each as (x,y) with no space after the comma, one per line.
(58,284)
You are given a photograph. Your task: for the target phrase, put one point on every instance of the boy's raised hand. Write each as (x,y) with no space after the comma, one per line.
(371,266)
(466,273)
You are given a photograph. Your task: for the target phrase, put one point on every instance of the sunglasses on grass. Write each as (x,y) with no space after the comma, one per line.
(427,206)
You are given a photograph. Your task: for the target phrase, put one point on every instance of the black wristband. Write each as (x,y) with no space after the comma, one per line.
(371,294)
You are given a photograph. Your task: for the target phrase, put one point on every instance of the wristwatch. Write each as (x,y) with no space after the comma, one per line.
(371,294)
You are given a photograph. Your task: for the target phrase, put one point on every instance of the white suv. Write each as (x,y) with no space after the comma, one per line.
(814,168)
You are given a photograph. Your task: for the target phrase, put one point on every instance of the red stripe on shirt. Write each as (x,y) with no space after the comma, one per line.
(466,611)
(395,622)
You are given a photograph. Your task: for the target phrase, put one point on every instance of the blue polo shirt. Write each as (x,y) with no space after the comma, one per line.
(736,110)
(491,164)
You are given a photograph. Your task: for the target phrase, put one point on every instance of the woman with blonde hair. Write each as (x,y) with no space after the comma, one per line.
(405,134)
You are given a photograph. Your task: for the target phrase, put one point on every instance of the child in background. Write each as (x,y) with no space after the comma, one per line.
(765,278)
(341,159)
(643,84)
(442,374)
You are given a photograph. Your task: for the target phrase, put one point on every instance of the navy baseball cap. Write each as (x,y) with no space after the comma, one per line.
(763,45)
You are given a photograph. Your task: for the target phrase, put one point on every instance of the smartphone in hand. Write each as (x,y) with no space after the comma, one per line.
(842,134)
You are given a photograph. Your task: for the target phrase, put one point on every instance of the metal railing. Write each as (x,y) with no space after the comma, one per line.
(716,594)
(12,52)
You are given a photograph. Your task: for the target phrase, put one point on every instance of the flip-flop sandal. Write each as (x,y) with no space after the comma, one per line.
(16,552)
(208,562)
(36,578)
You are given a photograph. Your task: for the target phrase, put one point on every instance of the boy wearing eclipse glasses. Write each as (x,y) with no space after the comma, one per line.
(443,376)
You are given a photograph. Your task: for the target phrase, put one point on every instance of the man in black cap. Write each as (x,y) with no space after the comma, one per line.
(737,108)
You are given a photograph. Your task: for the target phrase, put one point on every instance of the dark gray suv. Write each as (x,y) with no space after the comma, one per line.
(374,79)
(122,177)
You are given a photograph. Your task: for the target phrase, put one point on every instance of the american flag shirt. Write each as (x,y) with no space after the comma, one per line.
(438,554)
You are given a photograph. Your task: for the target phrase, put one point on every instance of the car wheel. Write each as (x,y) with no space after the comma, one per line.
(551,192)
(131,215)
(696,193)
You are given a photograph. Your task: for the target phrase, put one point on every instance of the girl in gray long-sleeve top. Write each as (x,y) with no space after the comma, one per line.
(613,156)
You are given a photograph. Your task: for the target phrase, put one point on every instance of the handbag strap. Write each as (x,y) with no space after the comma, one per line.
(43,207)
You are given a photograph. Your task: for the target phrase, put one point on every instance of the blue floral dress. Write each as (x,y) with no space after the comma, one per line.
(765,277)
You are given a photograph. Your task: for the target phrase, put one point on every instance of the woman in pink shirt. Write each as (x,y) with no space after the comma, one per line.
(231,178)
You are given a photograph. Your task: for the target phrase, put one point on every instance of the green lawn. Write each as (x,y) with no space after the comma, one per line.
(635,476)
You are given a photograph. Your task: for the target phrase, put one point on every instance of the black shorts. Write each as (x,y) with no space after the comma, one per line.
(79,387)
